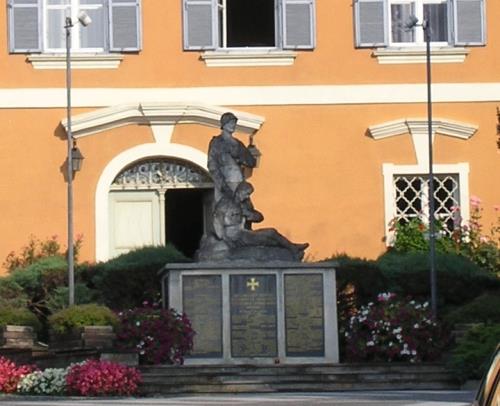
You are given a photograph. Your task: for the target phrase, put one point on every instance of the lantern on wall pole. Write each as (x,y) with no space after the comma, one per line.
(74,156)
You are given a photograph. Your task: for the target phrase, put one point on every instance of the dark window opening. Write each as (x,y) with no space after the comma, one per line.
(184,218)
(250,23)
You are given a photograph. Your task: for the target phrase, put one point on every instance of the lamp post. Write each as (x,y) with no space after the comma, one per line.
(74,156)
(412,23)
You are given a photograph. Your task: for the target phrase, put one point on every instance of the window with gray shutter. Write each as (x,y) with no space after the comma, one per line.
(199,24)
(469,22)
(125,25)
(24,26)
(370,23)
(298,24)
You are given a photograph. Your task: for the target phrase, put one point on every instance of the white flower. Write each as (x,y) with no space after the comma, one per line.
(370,344)
(137,323)
(415,325)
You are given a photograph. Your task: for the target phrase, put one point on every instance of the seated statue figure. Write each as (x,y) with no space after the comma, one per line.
(232,217)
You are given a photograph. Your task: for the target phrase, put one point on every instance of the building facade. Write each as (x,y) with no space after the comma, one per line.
(332,92)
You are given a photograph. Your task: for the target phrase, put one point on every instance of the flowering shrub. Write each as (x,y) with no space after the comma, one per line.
(467,238)
(159,335)
(470,240)
(51,381)
(11,374)
(392,330)
(94,378)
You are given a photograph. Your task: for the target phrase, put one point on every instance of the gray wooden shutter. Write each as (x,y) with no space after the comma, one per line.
(24,26)
(370,19)
(298,28)
(469,22)
(200,24)
(125,25)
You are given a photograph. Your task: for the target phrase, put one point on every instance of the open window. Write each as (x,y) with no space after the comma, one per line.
(248,24)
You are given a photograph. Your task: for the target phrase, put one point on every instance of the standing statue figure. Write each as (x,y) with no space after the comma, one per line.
(226,158)
(232,237)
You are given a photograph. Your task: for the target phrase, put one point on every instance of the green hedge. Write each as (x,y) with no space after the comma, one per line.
(130,279)
(82,315)
(18,317)
(483,309)
(459,280)
(471,355)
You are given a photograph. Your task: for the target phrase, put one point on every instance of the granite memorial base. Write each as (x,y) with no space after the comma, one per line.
(271,313)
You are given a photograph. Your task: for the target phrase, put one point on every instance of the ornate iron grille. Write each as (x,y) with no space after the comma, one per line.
(412,198)
(161,173)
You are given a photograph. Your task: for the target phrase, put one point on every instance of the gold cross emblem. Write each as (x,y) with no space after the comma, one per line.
(252,284)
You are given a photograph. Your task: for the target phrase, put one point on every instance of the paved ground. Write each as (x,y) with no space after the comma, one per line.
(378,398)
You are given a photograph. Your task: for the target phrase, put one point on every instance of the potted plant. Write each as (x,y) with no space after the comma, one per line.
(82,326)
(18,327)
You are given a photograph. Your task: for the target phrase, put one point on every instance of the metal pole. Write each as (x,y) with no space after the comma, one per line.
(69,163)
(432,227)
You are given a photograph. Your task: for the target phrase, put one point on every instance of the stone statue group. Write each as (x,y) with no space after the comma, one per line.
(232,237)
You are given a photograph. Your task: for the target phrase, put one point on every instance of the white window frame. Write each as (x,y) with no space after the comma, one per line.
(390,170)
(75,8)
(418,31)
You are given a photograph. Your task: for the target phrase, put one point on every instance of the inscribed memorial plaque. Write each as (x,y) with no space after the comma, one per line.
(253,316)
(202,302)
(304,315)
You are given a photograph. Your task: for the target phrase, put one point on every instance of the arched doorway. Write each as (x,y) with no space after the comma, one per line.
(157,201)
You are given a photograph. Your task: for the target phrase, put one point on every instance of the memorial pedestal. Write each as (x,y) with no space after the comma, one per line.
(256,313)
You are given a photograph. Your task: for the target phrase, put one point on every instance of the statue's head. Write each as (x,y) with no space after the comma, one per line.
(244,190)
(226,118)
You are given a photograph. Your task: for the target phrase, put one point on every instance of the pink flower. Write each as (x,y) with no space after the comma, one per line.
(475,201)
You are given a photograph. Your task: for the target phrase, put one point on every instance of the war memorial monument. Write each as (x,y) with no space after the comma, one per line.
(250,298)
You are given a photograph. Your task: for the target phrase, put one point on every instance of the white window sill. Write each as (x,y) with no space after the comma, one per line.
(418,55)
(78,61)
(248,58)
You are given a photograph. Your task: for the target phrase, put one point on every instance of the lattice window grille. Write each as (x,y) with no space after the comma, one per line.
(412,198)
(161,174)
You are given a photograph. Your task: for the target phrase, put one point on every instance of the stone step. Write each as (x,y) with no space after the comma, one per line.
(250,378)
(292,369)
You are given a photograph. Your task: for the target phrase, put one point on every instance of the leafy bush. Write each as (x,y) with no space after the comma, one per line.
(95,378)
(159,335)
(12,294)
(51,381)
(470,357)
(358,281)
(130,279)
(467,239)
(458,278)
(392,330)
(82,315)
(483,309)
(37,249)
(18,317)
(59,297)
(11,374)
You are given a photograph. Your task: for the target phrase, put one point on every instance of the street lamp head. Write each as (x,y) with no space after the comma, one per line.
(84,18)
(411,23)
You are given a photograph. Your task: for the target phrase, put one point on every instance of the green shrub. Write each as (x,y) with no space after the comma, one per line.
(358,282)
(82,315)
(59,298)
(18,317)
(470,358)
(458,278)
(132,278)
(483,309)
(12,294)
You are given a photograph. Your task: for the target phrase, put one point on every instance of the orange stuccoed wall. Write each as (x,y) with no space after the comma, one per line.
(320,179)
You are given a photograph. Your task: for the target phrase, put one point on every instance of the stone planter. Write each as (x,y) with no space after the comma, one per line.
(17,336)
(88,337)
